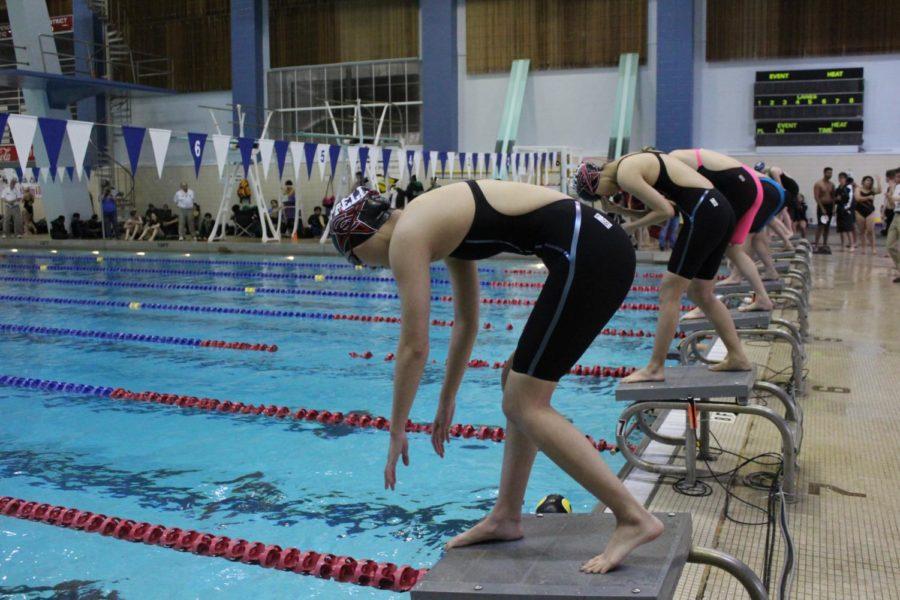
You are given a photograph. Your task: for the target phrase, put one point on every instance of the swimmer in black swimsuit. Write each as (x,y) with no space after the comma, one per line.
(695,260)
(866,216)
(591,268)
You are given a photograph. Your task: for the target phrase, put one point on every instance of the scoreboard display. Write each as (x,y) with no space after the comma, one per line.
(809,107)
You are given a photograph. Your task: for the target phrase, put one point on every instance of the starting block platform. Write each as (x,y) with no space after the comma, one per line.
(771,285)
(683,383)
(754,319)
(545,563)
(783,254)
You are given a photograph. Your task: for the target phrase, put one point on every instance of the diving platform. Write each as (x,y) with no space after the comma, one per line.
(63,90)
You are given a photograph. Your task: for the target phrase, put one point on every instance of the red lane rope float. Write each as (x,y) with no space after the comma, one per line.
(478,363)
(323,417)
(344,569)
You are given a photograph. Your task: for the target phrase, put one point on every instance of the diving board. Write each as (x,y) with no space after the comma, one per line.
(545,563)
(751,319)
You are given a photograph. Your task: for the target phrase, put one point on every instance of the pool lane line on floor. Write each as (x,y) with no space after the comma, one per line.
(344,569)
(640,306)
(119,336)
(323,417)
(259,312)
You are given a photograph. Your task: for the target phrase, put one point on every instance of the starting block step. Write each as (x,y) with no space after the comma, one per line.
(695,381)
(755,319)
(771,285)
(545,563)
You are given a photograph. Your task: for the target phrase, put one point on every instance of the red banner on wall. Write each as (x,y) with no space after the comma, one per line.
(8,154)
(58,24)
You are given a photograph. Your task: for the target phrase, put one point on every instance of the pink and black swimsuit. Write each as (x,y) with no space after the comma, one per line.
(744,191)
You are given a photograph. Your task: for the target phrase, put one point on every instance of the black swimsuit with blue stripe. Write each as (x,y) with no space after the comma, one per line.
(591,267)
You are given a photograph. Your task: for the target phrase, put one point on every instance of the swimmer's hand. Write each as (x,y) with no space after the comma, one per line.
(399,447)
(440,432)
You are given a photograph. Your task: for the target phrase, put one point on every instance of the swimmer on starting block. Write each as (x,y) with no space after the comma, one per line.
(664,184)
(591,267)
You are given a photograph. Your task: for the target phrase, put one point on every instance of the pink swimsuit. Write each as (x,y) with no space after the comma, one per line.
(744,191)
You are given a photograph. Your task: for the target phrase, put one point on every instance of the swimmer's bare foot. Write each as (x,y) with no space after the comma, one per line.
(732,364)
(730,280)
(627,536)
(491,529)
(756,305)
(695,313)
(646,374)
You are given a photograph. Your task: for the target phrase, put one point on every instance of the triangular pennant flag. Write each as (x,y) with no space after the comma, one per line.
(352,155)
(53,131)
(245,145)
(322,159)
(417,159)
(196,143)
(410,162)
(70,172)
(134,138)
(58,173)
(22,128)
(431,159)
(334,153)
(386,162)
(19,173)
(265,155)
(45,174)
(515,170)
(79,133)
(309,154)
(494,163)
(364,160)
(442,158)
(451,164)
(462,161)
(159,141)
(220,145)
(281,148)
(87,173)
(3,117)
(36,172)
(297,160)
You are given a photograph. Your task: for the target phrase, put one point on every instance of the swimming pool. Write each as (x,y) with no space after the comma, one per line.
(285,482)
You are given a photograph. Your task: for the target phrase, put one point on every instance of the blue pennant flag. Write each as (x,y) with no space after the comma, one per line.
(87,172)
(517,163)
(410,161)
(476,161)
(53,132)
(19,173)
(386,161)
(70,171)
(334,152)
(364,159)
(426,159)
(245,145)
(37,173)
(309,152)
(462,162)
(134,139)
(3,119)
(281,148)
(197,142)
(442,158)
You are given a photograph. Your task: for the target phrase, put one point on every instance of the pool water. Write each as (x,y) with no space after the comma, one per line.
(286,482)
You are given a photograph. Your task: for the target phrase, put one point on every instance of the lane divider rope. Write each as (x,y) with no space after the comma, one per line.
(323,417)
(344,569)
(261,312)
(135,337)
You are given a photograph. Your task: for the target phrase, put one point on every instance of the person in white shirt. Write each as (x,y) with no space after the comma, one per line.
(184,201)
(12,210)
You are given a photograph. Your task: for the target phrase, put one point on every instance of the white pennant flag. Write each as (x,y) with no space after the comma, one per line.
(220,145)
(470,158)
(265,153)
(352,158)
(417,163)
(451,163)
(60,173)
(493,168)
(79,133)
(432,162)
(296,159)
(322,159)
(159,140)
(513,168)
(22,128)
(45,174)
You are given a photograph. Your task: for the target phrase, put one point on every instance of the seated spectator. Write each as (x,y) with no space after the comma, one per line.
(273,210)
(93,228)
(151,228)
(78,227)
(58,228)
(195,216)
(150,209)
(133,225)
(28,214)
(246,222)
(434,184)
(168,221)
(206,225)
(413,189)
(317,222)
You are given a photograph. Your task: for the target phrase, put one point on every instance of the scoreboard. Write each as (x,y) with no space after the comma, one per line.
(810,107)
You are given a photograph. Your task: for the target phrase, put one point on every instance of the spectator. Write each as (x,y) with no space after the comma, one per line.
(78,227)
(150,209)
(28,214)
(892,204)
(361,180)
(206,226)
(887,214)
(58,228)
(845,200)
(151,228)
(184,201)
(195,217)
(93,228)
(317,222)
(108,206)
(865,212)
(133,226)
(800,219)
(434,184)
(823,194)
(667,234)
(168,222)
(273,210)
(12,218)
(244,194)
(289,202)
(414,188)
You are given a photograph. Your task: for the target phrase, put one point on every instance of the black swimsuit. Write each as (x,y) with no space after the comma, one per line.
(591,267)
(708,224)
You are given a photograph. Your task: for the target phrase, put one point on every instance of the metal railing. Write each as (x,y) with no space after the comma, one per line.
(79,57)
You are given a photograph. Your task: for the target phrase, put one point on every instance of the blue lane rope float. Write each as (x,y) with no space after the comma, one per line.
(134,337)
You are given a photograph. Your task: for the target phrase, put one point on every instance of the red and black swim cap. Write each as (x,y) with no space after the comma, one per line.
(355,219)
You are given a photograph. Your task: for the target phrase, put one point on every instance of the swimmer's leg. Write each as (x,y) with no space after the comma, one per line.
(747,268)
(760,244)
(670,291)
(702,292)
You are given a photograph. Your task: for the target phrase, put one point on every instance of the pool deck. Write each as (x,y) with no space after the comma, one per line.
(845,523)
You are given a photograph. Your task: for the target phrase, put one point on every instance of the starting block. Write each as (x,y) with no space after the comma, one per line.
(771,285)
(754,319)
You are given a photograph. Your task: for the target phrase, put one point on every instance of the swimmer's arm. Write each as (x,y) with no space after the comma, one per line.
(660,209)
(612,207)
(464,277)
(410,259)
